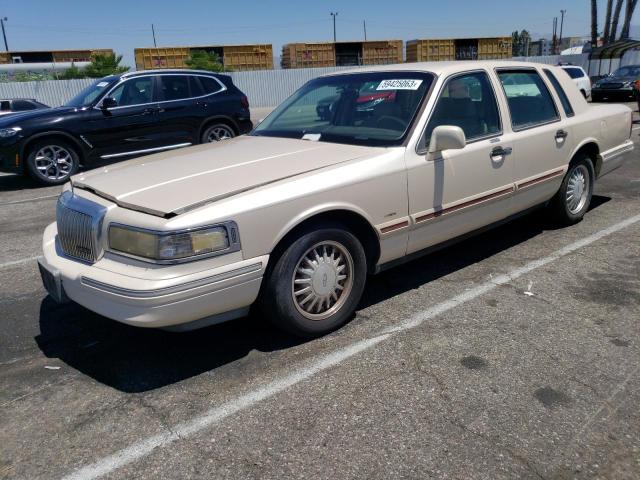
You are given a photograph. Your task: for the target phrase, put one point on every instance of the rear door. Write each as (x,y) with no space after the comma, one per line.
(182,108)
(542,140)
(129,128)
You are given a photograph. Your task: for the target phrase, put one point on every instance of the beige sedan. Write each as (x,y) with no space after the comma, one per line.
(354,173)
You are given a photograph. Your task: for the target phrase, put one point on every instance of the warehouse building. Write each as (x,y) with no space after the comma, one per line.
(52,56)
(429,50)
(330,54)
(233,57)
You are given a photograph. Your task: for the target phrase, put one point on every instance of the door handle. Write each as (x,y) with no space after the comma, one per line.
(498,153)
(561,135)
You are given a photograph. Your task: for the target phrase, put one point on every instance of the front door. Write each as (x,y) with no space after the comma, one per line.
(456,191)
(129,128)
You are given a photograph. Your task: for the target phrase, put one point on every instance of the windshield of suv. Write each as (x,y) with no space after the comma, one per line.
(373,109)
(627,72)
(87,96)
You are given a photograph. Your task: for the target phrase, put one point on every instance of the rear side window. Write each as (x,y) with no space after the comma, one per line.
(530,102)
(566,104)
(574,72)
(174,87)
(5,106)
(211,85)
(467,101)
(22,105)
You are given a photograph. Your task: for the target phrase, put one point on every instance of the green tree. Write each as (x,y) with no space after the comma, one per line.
(72,72)
(103,65)
(201,60)
(520,41)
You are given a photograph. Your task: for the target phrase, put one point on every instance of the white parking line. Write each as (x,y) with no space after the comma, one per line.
(27,200)
(216,414)
(20,262)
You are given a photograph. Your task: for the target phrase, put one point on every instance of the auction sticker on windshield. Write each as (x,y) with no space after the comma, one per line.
(400,84)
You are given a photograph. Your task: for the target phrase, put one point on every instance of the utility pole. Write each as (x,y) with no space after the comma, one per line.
(554,38)
(562,12)
(334,15)
(4,35)
(153,32)
(364,24)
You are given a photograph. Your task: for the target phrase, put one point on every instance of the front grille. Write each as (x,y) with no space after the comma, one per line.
(611,86)
(76,234)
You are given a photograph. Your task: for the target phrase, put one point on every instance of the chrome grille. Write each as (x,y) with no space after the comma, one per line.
(79,222)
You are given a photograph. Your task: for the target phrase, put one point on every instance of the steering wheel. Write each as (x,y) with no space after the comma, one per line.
(395,120)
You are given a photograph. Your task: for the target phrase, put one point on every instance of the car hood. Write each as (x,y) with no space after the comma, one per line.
(616,80)
(171,183)
(18,118)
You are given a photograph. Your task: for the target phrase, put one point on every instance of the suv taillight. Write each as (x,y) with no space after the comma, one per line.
(244,101)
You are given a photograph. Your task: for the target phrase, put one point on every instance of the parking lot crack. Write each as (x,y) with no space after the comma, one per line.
(158,415)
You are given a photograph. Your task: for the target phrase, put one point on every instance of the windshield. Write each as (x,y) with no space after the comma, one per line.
(627,72)
(87,96)
(373,109)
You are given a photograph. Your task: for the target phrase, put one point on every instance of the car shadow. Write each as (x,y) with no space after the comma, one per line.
(133,359)
(10,183)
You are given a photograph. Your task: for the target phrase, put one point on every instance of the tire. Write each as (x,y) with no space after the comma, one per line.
(52,161)
(294,277)
(217,132)
(572,200)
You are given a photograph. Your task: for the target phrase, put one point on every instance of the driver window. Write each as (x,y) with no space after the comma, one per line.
(136,91)
(466,101)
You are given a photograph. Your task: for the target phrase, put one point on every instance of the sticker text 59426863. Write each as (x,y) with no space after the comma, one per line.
(400,84)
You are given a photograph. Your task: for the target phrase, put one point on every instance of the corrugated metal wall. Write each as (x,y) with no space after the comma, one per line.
(268,88)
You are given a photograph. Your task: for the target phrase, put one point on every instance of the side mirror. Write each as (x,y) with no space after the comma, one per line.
(108,102)
(447,137)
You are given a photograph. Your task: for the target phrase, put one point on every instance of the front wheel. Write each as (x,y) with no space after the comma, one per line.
(217,132)
(52,162)
(572,201)
(316,284)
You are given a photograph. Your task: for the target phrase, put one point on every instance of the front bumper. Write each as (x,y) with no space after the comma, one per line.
(147,296)
(10,160)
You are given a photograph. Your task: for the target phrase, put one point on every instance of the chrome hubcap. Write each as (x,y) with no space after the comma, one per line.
(322,280)
(54,162)
(577,189)
(219,132)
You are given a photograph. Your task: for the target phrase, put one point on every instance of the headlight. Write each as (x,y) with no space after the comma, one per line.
(9,132)
(174,246)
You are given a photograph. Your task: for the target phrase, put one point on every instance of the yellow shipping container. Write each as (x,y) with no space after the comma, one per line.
(308,55)
(382,52)
(31,56)
(495,48)
(430,50)
(233,57)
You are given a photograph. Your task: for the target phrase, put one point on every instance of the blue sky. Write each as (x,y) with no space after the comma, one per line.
(123,25)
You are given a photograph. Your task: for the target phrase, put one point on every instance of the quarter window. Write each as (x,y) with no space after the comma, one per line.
(136,91)
(566,104)
(22,105)
(5,106)
(530,102)
(467,101)
(210,85)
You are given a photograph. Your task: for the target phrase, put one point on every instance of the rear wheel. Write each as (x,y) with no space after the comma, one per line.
(217,132)
(572,201)
(52,162)
(316,283)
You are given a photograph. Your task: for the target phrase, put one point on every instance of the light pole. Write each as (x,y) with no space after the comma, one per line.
(334,15)
(562,12)
(4,35)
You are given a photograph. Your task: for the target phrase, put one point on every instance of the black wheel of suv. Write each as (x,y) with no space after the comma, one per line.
(572,201)
(52,161)
(316,283)
(217,132)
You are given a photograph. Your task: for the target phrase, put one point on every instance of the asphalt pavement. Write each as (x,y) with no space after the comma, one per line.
(515,354)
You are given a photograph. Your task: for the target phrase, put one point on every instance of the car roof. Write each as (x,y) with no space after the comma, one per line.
(168,70)
(442,68)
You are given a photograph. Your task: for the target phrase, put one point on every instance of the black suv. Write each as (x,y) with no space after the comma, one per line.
(122,116)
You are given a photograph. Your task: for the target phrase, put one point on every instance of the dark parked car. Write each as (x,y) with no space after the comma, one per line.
(616,86)
(14,105)
(123,116)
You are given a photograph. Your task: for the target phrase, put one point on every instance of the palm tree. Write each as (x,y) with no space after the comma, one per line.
(594,23)
(607,22)
(615,20)
(631,6)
